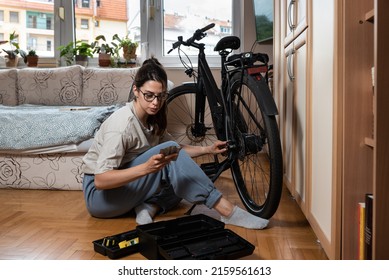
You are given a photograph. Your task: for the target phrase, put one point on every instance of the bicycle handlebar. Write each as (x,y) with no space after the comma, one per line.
(209,26)
(197,36)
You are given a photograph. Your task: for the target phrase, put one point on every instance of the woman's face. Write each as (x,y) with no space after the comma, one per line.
(150,97)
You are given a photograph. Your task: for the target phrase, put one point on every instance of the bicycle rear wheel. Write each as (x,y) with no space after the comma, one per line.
(257,171)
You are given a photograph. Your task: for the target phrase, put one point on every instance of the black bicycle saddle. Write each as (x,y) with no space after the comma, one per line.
(228,42)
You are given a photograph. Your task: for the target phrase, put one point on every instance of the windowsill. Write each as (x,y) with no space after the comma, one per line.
(51,62)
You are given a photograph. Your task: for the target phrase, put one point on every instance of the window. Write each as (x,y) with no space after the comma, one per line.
(14,17)
(32,43)
(49,23)
(48,46)
(169,19)
(183,18)
(32,21)
(84,23)
(1,36)
(85,3)
(149,26)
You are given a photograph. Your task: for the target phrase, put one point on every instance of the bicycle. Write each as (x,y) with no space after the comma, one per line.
(242,112)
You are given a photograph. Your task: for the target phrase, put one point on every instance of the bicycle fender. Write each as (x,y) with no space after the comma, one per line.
(265,100)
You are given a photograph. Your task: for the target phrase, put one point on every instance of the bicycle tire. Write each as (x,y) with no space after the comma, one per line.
(258,170)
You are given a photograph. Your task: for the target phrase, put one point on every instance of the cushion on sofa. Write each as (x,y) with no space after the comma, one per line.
(33,126)
(107,86)
(50,86)
(8,80)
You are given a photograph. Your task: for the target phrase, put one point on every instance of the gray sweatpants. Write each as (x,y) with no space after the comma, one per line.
(185,177)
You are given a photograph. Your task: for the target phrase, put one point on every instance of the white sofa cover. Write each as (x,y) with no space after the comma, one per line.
(64,86)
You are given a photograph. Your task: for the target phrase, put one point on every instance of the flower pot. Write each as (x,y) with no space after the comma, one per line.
(104,60)
(32,60)
(129,53)
(11,62)
(82,60)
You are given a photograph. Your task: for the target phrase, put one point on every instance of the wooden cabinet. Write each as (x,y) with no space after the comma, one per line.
(366,130)
(295,19)
(293,118)
(306,109)
(381,132)
(333,121)
(358,52)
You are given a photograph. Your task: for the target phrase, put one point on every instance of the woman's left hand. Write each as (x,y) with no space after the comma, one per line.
(218,147)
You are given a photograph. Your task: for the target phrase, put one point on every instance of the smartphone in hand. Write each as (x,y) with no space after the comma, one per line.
(170,150)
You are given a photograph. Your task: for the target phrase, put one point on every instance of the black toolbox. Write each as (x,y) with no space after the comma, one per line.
(191,237)
(196,237)
(113,251)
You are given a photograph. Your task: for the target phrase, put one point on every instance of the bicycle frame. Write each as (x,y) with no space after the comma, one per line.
(206,84)
(206,88)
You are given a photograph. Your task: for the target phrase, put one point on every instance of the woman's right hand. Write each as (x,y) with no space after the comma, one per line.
(159,161)
(115,178)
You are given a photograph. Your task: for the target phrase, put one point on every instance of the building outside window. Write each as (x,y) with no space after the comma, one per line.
(183,18)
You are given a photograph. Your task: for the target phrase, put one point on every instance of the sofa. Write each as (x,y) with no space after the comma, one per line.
(83,95)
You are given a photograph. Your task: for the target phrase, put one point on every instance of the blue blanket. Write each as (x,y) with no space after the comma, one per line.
(33,126)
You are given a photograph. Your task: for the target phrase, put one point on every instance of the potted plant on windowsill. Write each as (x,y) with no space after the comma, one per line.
(11,57)
(78,52)
(83,50)
(30,58)
(129,47)
(104,50)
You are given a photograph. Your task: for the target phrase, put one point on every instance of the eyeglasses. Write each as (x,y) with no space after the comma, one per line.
(149,96)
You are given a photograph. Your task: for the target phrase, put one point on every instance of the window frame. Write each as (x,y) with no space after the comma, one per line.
(14,15)
(84,23)
(152,30)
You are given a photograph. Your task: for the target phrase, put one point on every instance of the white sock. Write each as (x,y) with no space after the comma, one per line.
(145,213)
(242,218)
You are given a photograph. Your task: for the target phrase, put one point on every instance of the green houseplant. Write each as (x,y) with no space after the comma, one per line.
(104,49)
(11,57)
(30,58)
(129,47)
(78,52)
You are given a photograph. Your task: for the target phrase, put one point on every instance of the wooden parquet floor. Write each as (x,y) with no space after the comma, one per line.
(54,225)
